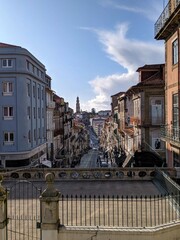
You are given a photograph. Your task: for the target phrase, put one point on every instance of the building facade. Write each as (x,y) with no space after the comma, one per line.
(167,28)
(23,107)
(98,124)
(137,117)
(50,105)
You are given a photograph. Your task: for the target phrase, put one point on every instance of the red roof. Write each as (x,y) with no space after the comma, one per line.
(151,66)
(5,45)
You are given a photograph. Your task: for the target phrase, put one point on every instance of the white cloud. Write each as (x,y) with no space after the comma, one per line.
(129,54)
(104,87)
(149,10)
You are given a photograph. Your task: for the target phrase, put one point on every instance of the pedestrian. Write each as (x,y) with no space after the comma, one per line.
(157,144)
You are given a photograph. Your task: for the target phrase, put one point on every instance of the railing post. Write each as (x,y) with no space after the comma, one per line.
(3,212)
(49,201)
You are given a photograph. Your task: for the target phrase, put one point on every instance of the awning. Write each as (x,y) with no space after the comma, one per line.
(127,160)
(47,163)
(107,150)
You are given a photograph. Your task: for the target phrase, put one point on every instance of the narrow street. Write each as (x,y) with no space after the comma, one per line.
(89,160)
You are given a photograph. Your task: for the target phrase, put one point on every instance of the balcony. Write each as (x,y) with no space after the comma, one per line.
(170,134)
(168,20)
(51,105)
(134,121)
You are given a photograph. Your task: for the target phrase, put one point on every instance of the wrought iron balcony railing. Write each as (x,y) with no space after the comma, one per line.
(170,133)
(165,16)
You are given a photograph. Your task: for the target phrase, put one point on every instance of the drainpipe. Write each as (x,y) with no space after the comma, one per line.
(178,34)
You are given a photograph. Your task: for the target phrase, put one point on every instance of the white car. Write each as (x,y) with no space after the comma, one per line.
(104,164)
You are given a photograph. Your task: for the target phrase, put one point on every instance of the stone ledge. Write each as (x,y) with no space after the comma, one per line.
(120,229)
(50,226)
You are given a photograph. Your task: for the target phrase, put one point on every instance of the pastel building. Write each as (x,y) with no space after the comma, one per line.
(23,107)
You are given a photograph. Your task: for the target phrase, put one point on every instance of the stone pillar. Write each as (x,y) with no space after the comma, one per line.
(3,212)
(49,200)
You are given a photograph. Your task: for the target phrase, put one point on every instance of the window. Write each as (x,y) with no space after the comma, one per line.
(8,113)
(39,113)
(175,117)
(39,133)
(34,112)
(38,92)
(28,113)
(27,65)
(28,89)
(7,88)
(43,132)
(34,134)
(42,93)
(8,138)
(156,113)
(7,63)
(33,68)
(29,136)
(34,91)
(175,51)
(41,74)
(175,111)
(42,112)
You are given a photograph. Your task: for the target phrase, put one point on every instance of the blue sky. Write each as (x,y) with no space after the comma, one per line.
(91,48)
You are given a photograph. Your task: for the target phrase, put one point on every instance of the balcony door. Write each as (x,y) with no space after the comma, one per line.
(175,117)
(156,112)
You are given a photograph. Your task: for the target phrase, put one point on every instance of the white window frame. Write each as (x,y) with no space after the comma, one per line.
(7,88)
(10,113)
(8,63)
(175,52)
(9,135)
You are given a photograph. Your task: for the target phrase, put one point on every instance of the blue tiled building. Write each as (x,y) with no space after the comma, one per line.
(22,107)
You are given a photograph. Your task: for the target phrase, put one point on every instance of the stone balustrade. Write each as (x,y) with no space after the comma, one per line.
(64,174)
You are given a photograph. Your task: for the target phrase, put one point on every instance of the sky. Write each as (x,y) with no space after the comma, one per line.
(90,48)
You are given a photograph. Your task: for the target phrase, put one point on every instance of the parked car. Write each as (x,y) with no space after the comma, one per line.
(103,164)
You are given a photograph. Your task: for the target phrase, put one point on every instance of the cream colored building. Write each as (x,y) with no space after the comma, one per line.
(50,105)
